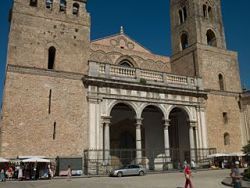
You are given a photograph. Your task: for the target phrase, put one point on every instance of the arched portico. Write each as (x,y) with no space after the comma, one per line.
(152,134)
(120,134)
(181,135)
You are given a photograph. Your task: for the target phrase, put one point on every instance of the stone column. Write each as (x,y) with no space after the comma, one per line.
(166,139)
(106,123)
(192,139)
(138,141)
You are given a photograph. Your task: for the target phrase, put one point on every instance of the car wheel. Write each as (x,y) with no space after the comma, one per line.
(141,173)
(119,174)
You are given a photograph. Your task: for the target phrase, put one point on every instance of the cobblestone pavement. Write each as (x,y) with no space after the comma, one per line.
(203,179)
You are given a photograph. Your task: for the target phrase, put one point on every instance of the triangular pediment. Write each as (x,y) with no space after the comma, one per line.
(121,41)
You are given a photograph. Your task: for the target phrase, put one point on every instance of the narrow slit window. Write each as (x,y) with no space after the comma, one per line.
(226,139)
(204,11)
(210,13)
(50,95)
(51,57)
(185,13)
(225,117)
(54,131)
(221,82)
(180,17)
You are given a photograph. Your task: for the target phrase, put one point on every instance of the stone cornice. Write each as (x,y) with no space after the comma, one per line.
(224,93)
(44,72)
(104,82)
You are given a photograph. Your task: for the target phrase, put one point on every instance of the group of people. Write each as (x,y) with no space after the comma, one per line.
(235,175)
(26,171)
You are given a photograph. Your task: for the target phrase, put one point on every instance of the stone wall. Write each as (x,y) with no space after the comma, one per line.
(28,127)
(35,29)
(216,127)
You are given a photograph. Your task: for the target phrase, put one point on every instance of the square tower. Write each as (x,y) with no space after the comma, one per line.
(199,49)
(44,98)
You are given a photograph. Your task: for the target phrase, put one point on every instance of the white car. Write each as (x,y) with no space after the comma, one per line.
(129,171)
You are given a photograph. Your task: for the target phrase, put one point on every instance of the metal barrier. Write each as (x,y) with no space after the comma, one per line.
(97,162)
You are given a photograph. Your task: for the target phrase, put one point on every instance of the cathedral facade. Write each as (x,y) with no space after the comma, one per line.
(66,95)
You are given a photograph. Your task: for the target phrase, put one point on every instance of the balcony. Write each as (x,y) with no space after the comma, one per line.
(140,76)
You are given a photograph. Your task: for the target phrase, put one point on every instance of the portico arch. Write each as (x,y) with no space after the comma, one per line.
(131,105)
(181,138)
(122,134)
(152,134)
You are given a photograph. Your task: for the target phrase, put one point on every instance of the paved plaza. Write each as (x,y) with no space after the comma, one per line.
(203,179)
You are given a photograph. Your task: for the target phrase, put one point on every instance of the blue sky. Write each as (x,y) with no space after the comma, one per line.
(148,23)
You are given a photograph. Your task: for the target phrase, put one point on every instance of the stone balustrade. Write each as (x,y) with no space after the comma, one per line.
(135,74)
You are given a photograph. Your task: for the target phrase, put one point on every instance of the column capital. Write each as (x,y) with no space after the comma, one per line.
(193,124)
(166,123)
(106,119)
(138,121)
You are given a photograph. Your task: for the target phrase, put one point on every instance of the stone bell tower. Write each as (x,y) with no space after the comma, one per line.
(199,49)
(44,99)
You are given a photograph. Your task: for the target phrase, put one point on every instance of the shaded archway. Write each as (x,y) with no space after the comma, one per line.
(122,135)
(211,38)
(153,135)
(179,138)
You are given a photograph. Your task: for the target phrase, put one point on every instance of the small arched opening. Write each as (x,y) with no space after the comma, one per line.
(63,5)
(126,63)
(184,41)
(211,38)
(221,82)
(49,4)
(210,13)
(33,3)
(51,57)
(75,10)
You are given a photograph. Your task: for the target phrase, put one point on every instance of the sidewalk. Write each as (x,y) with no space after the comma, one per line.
(228,182)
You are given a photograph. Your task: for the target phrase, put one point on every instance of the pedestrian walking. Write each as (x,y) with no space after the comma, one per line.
(235,175)
(193,165)
(2,175)
(69,173)
(188,174)
(20,173)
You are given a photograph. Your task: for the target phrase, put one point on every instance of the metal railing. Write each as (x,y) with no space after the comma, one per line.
(98,162)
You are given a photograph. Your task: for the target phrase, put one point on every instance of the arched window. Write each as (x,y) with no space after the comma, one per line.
(75,9)
(226,139)
(126,63)
(210,13)
(185,13)
(204,11)
(33,3)
(184,41)
(51,57)
(211,38)
(63,5)
(49,4)
(180,16)
(221,82)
